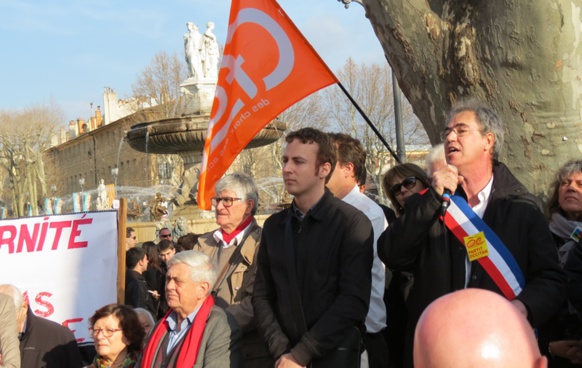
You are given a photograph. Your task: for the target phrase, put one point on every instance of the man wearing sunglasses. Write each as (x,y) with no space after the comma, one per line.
(130,238)
(493,235)
(165,234)
(351,162)
(313,282)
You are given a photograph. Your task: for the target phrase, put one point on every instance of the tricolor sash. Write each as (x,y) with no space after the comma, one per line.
(484,246)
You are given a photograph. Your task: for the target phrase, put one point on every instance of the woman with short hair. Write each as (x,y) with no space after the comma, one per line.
(117,335)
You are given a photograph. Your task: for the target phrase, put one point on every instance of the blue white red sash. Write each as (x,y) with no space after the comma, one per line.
(500,264)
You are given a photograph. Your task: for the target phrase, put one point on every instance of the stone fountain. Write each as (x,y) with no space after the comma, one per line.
(185,135)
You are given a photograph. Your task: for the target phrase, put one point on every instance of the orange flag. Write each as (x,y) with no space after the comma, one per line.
(267,66)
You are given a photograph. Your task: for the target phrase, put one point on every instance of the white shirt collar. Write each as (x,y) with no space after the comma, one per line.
(235,241)
(483,196)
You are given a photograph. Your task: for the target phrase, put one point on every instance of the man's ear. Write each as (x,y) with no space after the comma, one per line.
(203,289)
(349,169)
(490,141)
(250,206)
(542,362)
(324,170)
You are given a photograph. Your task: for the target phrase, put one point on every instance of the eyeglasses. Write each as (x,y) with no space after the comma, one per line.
(226,201)
(460,131)
(166,236)
(107,332)
(407,183)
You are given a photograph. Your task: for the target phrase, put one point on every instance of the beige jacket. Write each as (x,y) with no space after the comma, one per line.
(240,283)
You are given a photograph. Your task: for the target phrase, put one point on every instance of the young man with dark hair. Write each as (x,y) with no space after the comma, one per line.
(314,265)
(349,169)
(136,289)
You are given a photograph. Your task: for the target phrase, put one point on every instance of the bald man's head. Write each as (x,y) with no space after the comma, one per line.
(474,328)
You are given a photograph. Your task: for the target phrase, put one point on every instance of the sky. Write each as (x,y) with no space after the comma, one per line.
(67,51)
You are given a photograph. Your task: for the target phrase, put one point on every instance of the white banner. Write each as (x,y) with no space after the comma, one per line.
(66,265)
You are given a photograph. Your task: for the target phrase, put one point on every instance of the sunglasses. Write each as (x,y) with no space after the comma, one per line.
(165,236)
(407,183)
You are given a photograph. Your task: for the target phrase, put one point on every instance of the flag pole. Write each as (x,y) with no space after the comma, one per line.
(369,122)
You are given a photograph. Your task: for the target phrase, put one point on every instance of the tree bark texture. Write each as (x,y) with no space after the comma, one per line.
(524,58)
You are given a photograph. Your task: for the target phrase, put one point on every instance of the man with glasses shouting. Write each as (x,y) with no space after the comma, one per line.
(234,247)
(476,226)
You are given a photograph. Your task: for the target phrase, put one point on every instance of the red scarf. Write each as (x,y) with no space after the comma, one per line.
(189,352)
(243,225)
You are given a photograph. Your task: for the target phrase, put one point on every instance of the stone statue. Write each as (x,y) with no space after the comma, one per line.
(211,52)
(102,199)
(157,208)
(180,228)
(193,45)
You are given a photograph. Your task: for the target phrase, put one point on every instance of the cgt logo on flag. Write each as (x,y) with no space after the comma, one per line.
(267,66)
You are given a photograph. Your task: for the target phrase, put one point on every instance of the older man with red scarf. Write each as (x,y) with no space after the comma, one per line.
(234,247)
(194,332)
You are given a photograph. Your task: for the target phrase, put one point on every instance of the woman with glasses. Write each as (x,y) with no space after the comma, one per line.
(117,335)
(399,184)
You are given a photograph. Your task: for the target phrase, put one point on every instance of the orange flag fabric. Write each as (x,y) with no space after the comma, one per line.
(267,66)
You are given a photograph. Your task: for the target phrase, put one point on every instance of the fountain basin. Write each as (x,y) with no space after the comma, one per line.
(183,134)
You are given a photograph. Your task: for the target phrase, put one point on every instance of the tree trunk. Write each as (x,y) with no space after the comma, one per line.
(522,57)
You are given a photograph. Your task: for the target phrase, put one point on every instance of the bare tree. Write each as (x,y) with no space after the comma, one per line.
(521,57)
(371,87)
(160,82)
(24,136)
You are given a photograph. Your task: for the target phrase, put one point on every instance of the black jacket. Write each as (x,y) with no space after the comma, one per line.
(48,344)
(331,262)
(136,292)
(415,242)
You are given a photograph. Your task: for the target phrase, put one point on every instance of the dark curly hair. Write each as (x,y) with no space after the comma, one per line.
(128,322)
(188,241)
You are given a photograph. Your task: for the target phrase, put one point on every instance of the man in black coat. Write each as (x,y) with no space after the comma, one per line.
(136,288)
(419,242)
(313,281)
(43,343)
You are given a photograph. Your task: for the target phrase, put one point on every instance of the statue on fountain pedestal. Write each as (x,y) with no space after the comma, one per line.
(193,49)
(157,208)
(211,52)
(102,198)
(202,52)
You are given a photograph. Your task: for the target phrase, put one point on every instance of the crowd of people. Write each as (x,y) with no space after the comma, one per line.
(465,270)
